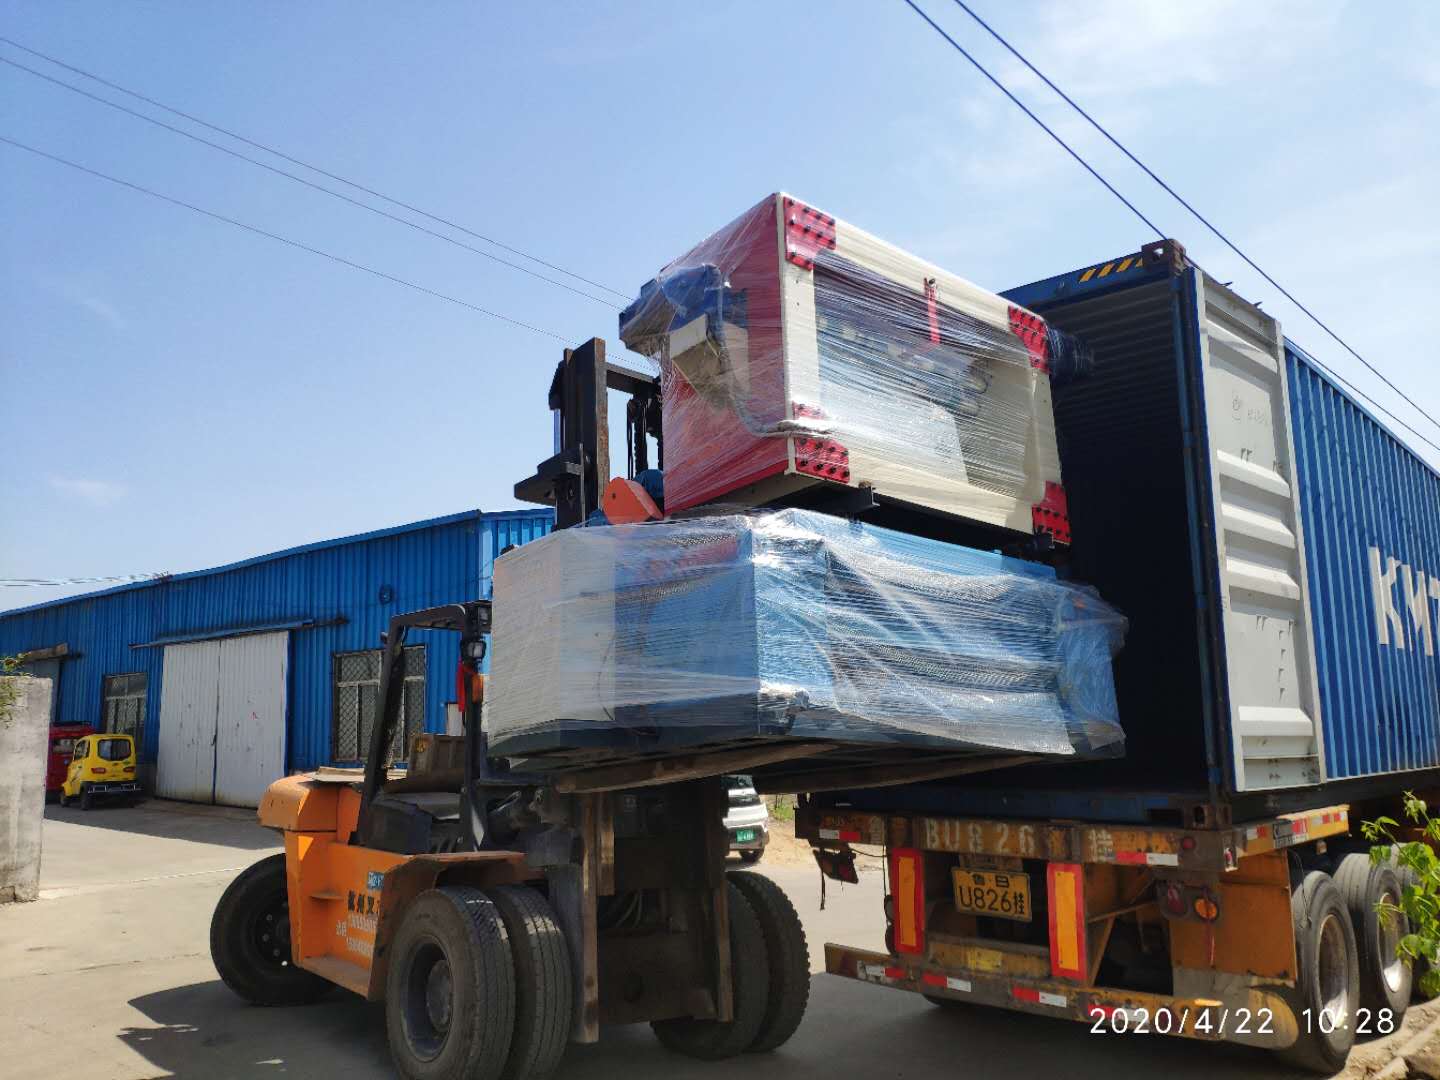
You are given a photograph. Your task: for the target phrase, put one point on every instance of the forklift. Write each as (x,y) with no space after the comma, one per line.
(500,915)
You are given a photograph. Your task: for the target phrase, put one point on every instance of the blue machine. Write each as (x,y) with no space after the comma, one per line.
(801,625)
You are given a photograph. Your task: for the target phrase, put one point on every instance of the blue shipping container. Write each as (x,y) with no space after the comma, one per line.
(1372,535)
(1275,548)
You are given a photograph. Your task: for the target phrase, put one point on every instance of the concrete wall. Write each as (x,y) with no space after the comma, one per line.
(24,744)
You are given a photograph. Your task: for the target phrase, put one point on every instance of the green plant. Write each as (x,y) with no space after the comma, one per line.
(782,807)
(1420,897)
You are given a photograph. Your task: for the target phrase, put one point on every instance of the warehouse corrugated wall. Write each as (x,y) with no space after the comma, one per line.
(1372,540)
(335,596)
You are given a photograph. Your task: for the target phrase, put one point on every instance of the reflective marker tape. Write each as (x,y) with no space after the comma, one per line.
(1157,858)
(962,985)
(1057,1000)
(838,834)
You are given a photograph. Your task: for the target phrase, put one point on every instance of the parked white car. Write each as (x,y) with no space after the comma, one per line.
(746,819)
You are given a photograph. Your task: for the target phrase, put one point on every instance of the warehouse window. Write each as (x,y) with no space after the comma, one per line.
(357,703)
(122,704)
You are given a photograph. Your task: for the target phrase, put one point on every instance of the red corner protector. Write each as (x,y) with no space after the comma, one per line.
(807,232)
(1052,514)
(1031,330)
(824,458)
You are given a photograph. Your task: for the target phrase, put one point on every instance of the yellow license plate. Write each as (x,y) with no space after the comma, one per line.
(1001,894)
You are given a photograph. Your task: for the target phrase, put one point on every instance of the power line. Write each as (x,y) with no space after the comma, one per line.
(1159,233)
(1109,187)
(307,165)
(281,239)
(308,183)
(1195,213)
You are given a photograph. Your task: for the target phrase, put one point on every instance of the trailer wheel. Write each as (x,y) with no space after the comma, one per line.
(450,992)
(250,940)
(789,958)
(712,1040)
(543,1002)
(1385,979)
(1327,979)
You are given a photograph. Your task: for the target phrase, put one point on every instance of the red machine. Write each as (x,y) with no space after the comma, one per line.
(796,350)
(62,743)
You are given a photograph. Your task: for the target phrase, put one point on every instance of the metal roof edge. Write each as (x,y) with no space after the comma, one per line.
(302,549)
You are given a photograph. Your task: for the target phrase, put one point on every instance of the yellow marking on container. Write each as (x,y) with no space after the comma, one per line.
(1067,920)
(1087,275)
(1124,266)
(1108,267)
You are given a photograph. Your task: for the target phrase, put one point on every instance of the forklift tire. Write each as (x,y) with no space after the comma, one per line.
(87,799)
(250,940)
(450,992)
(1327,979)
(789,958)
(714,1040)
(543,995)
(1385,979)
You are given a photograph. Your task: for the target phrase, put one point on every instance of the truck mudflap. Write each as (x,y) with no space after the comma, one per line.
(1254,1016)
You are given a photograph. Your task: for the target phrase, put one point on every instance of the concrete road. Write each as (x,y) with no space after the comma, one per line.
(108,975)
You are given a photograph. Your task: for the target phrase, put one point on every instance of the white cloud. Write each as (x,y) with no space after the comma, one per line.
(1117,48)
(94,492)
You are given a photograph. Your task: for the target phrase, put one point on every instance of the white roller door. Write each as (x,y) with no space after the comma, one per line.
(222,719)
(250,737)
(189,693)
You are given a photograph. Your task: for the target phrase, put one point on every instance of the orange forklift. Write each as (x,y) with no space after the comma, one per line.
(501,915)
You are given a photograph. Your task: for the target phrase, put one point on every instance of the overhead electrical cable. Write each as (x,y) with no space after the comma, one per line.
(281,239)
(1159,233)
(307,183)
(1195,213)
(312,167)
(1111,188)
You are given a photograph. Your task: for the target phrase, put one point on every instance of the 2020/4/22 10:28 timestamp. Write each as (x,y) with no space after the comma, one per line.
(1221,1022)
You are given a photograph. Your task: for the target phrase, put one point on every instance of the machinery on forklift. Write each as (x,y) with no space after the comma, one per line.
(499,915)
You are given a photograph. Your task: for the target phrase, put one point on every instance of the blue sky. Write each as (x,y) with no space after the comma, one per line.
(175,393)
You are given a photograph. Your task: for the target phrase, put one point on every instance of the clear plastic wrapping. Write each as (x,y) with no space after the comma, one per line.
(796,349)
(792,623)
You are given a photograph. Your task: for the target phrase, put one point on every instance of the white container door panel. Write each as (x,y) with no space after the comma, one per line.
(1271,682)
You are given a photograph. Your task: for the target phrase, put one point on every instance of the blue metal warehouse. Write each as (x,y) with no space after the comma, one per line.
(234,676)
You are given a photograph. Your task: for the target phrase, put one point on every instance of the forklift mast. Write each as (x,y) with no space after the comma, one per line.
(573,479)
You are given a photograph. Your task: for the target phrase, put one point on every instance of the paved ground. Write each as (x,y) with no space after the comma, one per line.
(108,976)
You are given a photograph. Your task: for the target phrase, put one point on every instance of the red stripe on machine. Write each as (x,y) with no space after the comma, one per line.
(932,979)
(1130,858)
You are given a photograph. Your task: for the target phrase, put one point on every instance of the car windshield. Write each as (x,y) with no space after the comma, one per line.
(113,749)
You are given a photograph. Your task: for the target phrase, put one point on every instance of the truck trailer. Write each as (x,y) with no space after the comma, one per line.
(1276,551)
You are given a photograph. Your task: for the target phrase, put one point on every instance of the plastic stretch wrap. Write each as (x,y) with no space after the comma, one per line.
(792,623)
(796,349)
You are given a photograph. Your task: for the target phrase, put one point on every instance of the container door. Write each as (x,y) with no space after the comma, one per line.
(189,689)
(250,727)
(1269,687)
